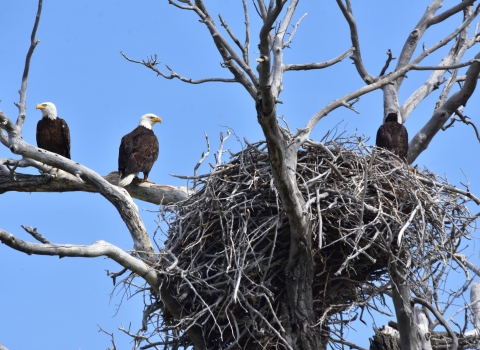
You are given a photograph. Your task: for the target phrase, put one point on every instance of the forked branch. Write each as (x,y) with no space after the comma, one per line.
(151,63)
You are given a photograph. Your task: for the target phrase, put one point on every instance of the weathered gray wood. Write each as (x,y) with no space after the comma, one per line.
(386,338)
(475,305)
(148,192)
(422,139)
(423,333)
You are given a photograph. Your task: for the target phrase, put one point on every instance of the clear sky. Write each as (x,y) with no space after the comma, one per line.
(51,303)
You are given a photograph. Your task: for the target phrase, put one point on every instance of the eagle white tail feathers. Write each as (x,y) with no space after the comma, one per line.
(126,180)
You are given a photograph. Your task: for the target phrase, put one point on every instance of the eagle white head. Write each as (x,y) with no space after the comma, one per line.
(48,110)
(148,120)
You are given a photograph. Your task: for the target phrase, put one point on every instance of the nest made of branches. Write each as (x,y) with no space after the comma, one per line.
(228,244)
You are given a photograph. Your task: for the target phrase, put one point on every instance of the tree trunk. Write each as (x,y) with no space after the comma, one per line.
(386,338)
(299,273)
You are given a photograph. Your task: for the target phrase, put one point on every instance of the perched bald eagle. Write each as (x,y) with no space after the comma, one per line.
(138,150)
(393,136)
(53,133)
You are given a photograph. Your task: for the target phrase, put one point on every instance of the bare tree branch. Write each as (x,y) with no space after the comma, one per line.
(387,63)
(425,22)
(292,34)
(434,81)
(422,139)
(22,105)
(234,38)
(148,192)
(320,65)
(176,4)
(450,12)
(35,234)
(151,63)
(224,48)
(356,56)
(303,134)
(246,46)
(464,119)
(3,138)
(99,248)
(453,66)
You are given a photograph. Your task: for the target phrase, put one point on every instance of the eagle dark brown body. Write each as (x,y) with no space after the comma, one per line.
(393,136)
(138,151)
(54,135)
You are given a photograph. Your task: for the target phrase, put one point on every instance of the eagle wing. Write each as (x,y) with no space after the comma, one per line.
(124,154)
(138,151)
(384,138)
(394,137)
(54,136)
(401,141)
(146,152)
(65,132)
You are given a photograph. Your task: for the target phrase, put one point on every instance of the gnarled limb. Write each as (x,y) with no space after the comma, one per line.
(99,248)
(152,62)
(148,192)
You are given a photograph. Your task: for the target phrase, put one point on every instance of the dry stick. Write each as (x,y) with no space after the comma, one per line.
(252,309)
(292,34)
(317,65)
(409,221)
(451,189)
(387,63)
(247,33)
(151,65)
(220,149)
(22,107)
(232,36)
(202,158)
(320,220)
(36,234)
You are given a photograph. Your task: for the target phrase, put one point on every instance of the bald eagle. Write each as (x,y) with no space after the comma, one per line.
(138,150)
(53,133)
(393,136)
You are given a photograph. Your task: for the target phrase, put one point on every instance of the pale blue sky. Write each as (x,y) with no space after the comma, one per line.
(51,303)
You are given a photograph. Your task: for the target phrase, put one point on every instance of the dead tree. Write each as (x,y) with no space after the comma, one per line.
(316,213)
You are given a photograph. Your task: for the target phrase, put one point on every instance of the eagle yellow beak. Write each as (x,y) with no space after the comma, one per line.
(40,106)
(158,120)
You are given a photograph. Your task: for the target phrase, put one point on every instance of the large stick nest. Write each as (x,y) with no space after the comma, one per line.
(228,245)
